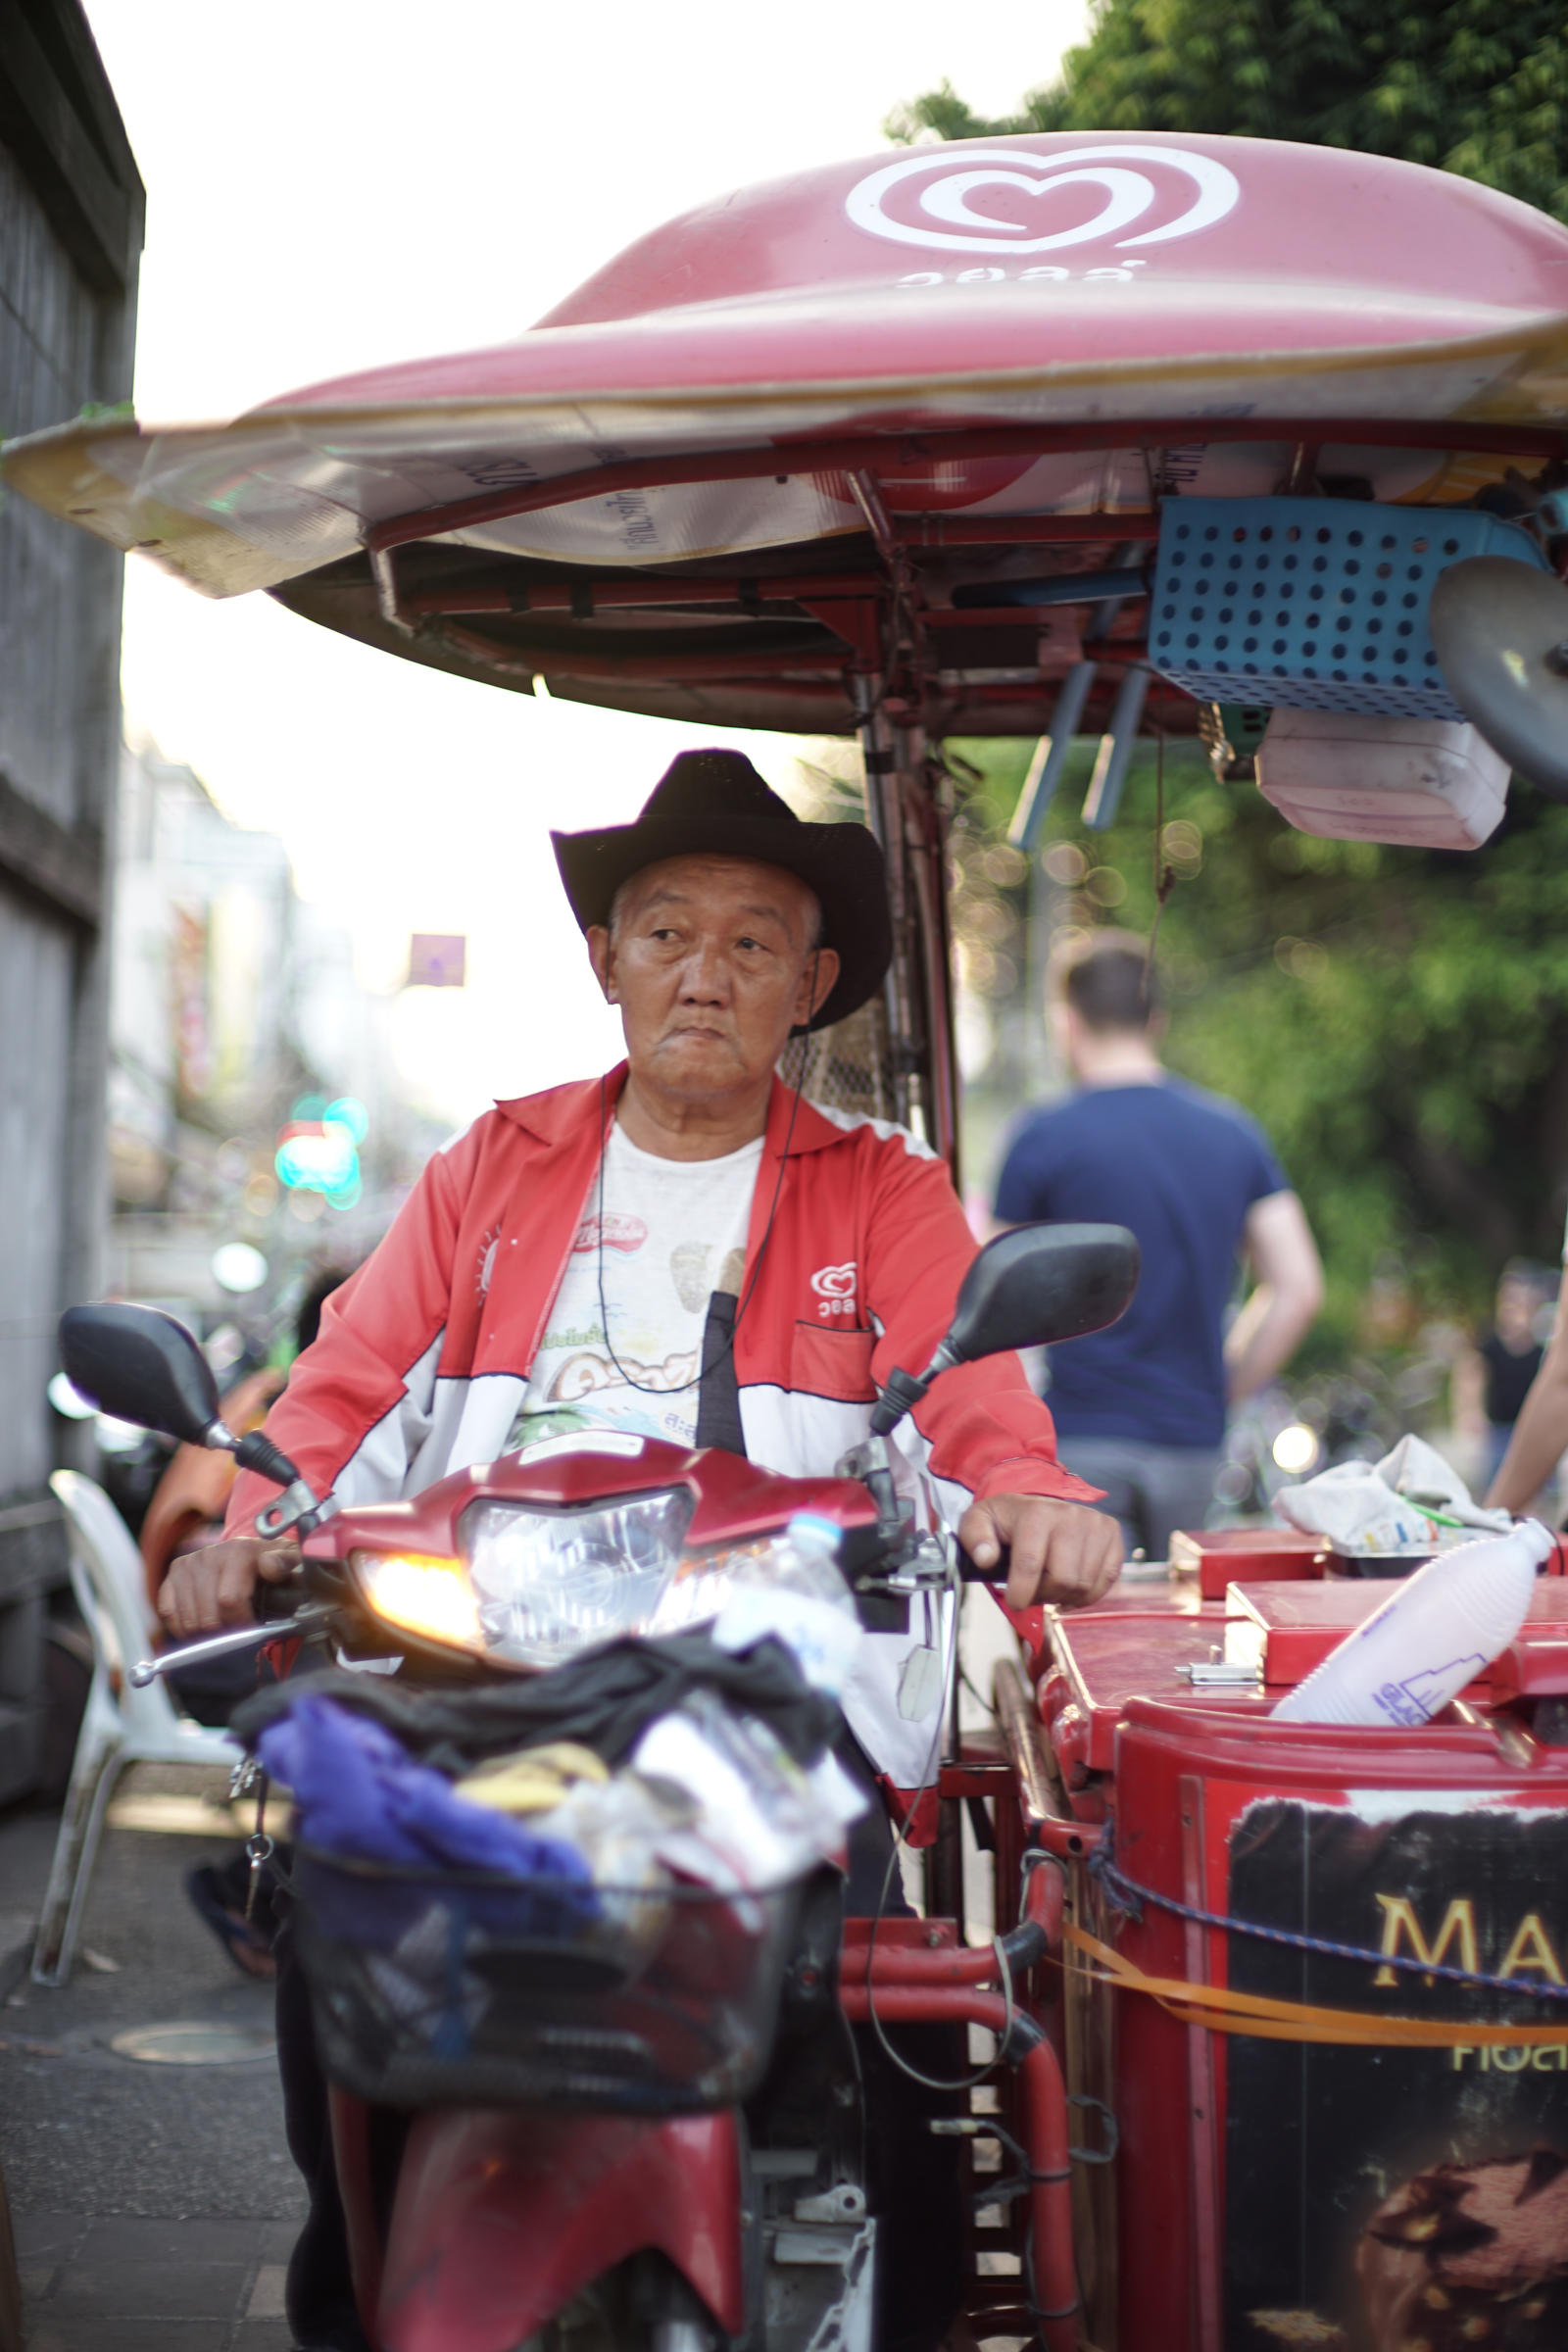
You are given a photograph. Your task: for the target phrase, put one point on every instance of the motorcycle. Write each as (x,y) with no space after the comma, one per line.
(666,2142)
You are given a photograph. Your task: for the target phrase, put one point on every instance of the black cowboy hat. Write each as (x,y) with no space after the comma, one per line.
(715,804)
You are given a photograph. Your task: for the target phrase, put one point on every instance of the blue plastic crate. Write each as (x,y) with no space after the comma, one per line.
(1319,604)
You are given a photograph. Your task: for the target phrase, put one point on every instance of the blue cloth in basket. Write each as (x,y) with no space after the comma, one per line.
(359,1796)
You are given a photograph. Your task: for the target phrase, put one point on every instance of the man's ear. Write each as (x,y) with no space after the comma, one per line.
(602,956)
(816,983)
(1064,1029)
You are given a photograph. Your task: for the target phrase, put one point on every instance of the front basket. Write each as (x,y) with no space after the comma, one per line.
(452,1988)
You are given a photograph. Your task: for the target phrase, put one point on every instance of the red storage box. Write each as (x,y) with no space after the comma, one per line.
(1219,1556)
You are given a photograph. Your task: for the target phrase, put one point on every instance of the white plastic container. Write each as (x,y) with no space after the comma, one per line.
(1430,1637)
(1417,783)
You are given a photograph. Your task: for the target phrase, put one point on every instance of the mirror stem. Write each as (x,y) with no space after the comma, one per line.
(904,1391)
(901,1394)
(879,1482)
(258,1452)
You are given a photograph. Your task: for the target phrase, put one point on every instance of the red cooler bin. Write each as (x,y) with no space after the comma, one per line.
(1282,2192)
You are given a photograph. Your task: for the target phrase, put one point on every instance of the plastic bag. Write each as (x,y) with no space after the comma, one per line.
(1410,1501)
(619,1827)
(760,1818)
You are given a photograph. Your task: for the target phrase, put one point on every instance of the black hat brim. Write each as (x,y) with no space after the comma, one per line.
(840,862)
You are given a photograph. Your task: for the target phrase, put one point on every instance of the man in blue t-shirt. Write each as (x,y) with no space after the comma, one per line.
(1140,1408)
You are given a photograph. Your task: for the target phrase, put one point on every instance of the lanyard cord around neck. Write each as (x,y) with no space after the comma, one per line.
(646,1387)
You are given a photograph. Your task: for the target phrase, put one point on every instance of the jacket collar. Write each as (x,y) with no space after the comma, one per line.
(561,1112)
(811,1131)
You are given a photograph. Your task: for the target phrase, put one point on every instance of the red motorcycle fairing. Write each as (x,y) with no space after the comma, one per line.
(503,2215)
(734,1500)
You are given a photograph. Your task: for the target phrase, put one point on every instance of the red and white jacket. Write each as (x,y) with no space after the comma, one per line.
(424,1353)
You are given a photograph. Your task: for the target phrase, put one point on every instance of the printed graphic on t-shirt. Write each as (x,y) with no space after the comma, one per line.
(694,1283)
(656,1268)
(589,1391)
(589,1371)
(619,1233)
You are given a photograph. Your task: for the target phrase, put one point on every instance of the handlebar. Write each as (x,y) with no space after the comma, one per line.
(274,1602)
(970,1572)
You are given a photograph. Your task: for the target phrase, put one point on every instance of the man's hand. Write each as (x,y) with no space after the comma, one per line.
(1062,1551)
(208,1590)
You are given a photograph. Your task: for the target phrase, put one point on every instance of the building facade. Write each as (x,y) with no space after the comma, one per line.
(71,236)
(237,1016)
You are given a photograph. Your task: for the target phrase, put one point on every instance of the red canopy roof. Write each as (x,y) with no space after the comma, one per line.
(794,419)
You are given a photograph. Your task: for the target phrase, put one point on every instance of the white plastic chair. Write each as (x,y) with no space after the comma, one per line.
(120,1725)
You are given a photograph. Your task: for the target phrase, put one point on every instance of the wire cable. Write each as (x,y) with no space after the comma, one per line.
(930,1776)
(1129,1897)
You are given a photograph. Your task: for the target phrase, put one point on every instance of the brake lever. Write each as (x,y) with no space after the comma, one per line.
(306,1620)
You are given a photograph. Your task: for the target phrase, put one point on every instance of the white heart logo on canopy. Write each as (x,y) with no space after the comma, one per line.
(951,196)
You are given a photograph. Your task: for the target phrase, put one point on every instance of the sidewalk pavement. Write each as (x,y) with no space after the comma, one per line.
(154,2205)
(128,2286)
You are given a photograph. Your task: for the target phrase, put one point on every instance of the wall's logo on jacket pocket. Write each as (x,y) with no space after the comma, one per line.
(835,1288)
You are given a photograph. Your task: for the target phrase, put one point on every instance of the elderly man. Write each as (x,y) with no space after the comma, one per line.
(579,1257)
(683,1250)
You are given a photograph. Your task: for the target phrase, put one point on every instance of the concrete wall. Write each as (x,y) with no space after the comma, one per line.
(71,233)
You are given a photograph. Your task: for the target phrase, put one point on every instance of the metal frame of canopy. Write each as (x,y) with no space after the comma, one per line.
(881,649)
(852,606)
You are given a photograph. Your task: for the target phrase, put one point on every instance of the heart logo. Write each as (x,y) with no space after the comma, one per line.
(834,1282)
(949,184)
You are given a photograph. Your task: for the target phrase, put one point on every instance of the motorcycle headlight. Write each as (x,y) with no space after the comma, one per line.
(421,1593)
(547,1584)
(539,1585)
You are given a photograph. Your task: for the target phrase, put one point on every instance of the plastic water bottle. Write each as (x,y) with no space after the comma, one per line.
(792,1588)
(805,1559)
(1432,1635)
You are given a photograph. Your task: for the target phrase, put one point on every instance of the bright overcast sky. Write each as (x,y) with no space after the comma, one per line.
(336,183)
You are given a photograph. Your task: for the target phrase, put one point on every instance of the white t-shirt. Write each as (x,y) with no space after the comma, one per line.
(675,1232)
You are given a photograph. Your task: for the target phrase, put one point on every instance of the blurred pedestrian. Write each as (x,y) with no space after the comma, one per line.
(1539,1437)
(1493,1378)
(1141,1408)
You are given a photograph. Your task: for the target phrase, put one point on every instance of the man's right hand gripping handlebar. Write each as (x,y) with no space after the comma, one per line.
(1047,1550)
(227,1583)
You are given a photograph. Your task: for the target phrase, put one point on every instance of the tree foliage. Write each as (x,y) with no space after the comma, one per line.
(1477,87)
(1399,1020)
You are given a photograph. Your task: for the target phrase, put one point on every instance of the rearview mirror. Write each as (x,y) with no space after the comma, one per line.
(138,1364)
(1029,1288)
(1040,1284)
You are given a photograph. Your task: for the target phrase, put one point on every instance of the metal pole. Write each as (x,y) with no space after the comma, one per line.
(1050,759)
(926,822)
(884,816)
(1105,785)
